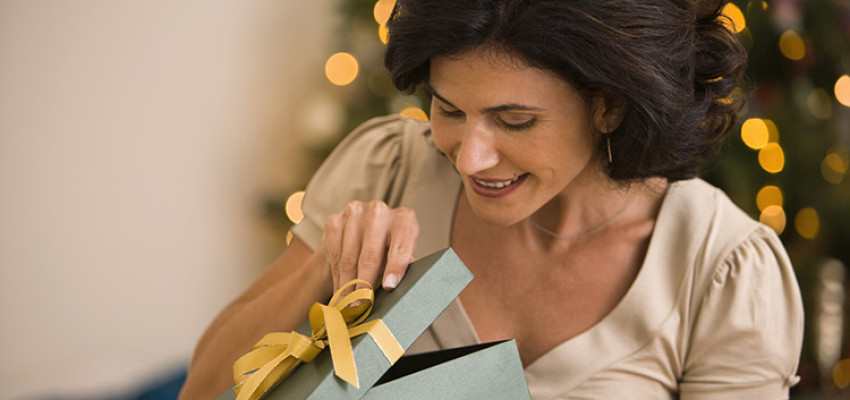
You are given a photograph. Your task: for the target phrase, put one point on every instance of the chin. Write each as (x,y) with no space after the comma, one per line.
(496,217)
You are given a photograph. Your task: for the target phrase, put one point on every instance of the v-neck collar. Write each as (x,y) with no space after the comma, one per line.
(647,304)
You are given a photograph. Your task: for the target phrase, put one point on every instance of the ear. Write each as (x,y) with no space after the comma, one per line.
(608,112)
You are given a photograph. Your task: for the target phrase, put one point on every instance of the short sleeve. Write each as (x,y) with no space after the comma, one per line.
(747,336)
(364,166)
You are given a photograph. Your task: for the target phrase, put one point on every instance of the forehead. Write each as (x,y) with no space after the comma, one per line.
(496,76)
(486,58)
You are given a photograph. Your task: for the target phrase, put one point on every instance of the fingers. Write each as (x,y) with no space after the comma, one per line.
(369,241)
(332,244)
(352,241)
(403,235)
(376,230)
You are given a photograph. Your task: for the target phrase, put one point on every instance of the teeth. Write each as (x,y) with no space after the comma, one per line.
(496,185)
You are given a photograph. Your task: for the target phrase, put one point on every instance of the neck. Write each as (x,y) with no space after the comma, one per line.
(589,200)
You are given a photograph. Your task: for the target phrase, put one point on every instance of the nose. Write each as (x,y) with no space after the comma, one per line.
(477,151)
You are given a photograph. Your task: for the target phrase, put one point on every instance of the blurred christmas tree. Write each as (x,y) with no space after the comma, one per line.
(786,164)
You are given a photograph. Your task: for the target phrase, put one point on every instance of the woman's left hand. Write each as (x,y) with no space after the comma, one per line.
(368,240)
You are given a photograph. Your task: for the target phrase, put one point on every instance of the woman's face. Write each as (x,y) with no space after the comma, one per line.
(518,136)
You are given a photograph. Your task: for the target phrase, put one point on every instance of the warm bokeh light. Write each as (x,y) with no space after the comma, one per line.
(819,103)
(754,133)
(383,34)
(841,374)
(341,69)
(734,20)
(835,165)
(807,223)
(415,113)
(774,217)
(289,236)
(382,11)
(772,158)
(842,90)
(769,196)
(293,207)
(839,161)
(791,45)
(772,131)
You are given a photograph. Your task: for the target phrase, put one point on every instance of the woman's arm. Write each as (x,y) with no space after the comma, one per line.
(363,239)
(367,241)
(276,302)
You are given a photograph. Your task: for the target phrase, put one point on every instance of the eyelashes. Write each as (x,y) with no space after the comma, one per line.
(450,113)
(517,127)
(457,114)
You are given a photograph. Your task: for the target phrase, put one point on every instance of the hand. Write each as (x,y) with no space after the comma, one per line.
(369,240)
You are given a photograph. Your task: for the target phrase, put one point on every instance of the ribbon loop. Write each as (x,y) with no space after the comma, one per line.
(303,348)
(277,354)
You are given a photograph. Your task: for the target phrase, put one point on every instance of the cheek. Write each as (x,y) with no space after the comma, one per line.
(564,150)
(444,137)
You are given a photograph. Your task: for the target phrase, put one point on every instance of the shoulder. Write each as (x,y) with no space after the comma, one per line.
(719,237)
(377,151)
(705,216)
(388,135)
(743,302)
(373,162)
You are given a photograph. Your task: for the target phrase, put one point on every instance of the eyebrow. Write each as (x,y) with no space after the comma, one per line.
(502,107)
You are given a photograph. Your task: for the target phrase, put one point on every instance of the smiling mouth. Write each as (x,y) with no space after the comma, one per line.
(498,184)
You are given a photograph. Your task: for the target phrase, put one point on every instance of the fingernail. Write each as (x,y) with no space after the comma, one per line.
(391,281)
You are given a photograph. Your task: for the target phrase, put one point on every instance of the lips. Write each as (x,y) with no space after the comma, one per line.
(496,184)
(496,187)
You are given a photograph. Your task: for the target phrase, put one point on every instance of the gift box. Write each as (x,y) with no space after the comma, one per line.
(491,371)
(428,287)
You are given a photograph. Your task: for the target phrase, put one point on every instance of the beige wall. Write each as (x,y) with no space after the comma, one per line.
(136,140)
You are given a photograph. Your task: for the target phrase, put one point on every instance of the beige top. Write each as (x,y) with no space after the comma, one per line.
(714,313)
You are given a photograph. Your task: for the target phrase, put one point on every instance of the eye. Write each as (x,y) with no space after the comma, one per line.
(516,122)
(448,113)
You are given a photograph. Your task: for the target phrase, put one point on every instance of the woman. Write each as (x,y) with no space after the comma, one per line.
(560,164)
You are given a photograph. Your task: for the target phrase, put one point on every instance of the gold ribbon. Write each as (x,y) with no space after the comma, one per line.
(277,354)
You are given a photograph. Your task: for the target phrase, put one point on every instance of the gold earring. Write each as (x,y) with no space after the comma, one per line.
(608,142)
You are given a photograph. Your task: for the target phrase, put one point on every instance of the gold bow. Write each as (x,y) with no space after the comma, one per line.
(277,354)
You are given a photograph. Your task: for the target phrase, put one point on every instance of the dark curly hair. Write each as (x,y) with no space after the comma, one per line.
(671,63)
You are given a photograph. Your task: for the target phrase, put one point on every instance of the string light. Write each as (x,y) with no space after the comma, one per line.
(382,11)
(383,34)
(807,223)
(321,118)
(772,131)
(756,4)
(772,158)
(819,103)
(839,160)
(754,133)
(791,45)
(293,207)
(341,69)
(841,374)
(842,90)
(835,165)
(289,236)
(829,322)
(734,19)
(415,113)
(774,217)
(769,196)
